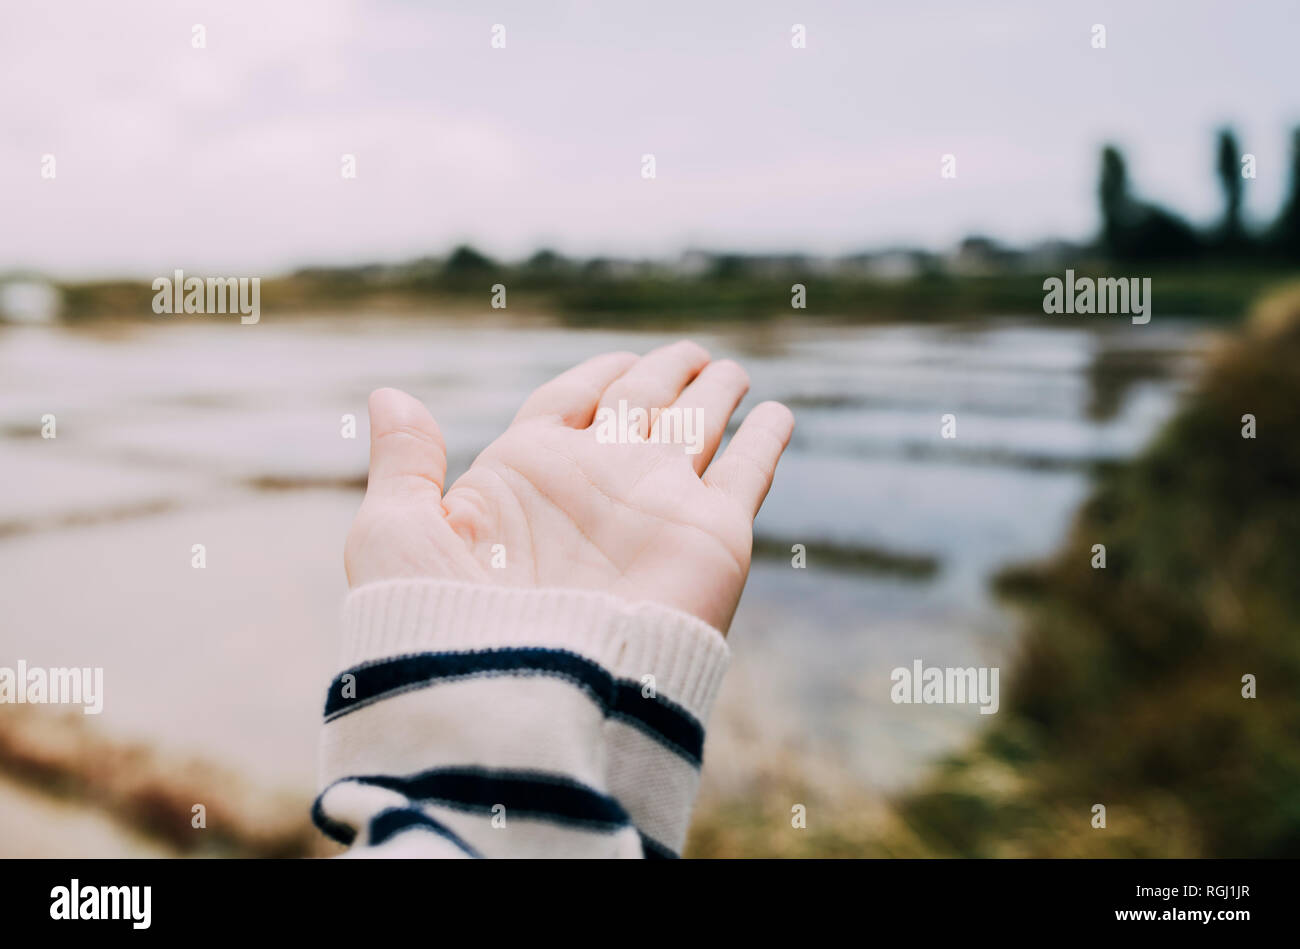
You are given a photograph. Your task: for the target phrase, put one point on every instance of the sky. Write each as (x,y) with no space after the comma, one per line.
(228,158)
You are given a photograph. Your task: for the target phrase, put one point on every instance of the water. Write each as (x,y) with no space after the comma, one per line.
(175,434)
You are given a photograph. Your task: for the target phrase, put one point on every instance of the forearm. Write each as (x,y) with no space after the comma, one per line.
(476,720)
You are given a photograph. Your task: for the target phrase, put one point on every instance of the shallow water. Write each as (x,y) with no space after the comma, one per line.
(168,435)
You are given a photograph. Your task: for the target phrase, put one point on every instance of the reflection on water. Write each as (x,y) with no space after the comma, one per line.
(171,435)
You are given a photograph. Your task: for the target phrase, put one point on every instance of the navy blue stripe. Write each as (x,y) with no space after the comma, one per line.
(654,850)
(375,680)
(658,717)
(530,794)
(334,830)
(388,824)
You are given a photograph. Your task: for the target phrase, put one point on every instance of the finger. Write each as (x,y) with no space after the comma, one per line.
(406,448)
(572,395)
(707,405)
(745,470)
(656,380)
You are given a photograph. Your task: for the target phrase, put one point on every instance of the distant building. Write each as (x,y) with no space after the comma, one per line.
(1052,255)
(886,265)
(28,300)
(693,263)
(700,263)
(982,257)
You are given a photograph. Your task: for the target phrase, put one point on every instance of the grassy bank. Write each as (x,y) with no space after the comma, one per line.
(597,299)
(1128,688)
(151,795)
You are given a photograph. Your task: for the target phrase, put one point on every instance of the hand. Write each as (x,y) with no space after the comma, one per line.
(642,521)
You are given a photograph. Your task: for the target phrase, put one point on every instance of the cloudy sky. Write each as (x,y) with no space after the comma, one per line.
(228,158)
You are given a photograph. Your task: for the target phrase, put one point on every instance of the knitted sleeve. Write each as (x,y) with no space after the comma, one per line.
(475,720)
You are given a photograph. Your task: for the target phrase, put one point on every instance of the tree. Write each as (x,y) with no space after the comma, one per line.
(1116,205)
(546,261)
(1284,236)
(465,261)
(1135,230)
(1231,232)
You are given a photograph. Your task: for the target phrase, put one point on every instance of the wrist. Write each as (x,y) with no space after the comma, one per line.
(683,657)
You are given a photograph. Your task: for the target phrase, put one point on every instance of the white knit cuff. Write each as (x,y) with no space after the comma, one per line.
(686,656)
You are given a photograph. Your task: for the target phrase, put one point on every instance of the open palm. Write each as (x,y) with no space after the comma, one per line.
(549,504)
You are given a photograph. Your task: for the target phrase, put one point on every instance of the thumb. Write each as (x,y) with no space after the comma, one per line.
(407,452)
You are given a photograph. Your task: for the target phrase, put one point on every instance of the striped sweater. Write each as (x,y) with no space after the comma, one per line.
(476,720)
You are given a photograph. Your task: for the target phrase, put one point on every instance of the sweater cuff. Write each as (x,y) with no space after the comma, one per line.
(686,656)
